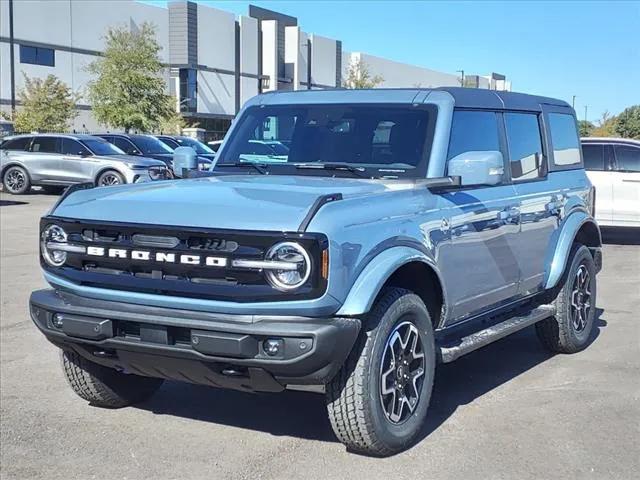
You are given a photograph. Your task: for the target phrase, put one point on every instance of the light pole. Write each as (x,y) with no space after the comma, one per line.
(586,107)
(462,77)
(573,102)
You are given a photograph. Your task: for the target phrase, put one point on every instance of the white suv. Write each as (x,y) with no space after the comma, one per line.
(613,166)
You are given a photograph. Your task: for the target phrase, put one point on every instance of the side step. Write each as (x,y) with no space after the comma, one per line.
(489,335)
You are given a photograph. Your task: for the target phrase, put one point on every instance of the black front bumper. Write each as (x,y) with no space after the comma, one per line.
(206,348)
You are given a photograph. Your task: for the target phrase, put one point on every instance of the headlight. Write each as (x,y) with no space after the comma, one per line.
(51,235)
(158,173)
(297,271)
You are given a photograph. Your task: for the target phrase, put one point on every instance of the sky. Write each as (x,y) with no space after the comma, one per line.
(590,49)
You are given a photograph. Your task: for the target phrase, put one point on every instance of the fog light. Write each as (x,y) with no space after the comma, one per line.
(272,346)
(57,320)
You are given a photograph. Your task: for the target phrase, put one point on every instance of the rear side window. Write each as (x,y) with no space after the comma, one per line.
(46,145)
(628,158)
(593,157)
(473,131)
(123,144)
(525,146)
(73,147)
(564,136)
(21,143)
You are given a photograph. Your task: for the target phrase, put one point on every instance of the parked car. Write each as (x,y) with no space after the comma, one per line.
(406,228)
(56,161)
(613,166)
(6,128)
(205,154)
(215,145)
(140,145)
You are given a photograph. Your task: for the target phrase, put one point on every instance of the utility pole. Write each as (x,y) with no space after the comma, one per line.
(462,79)
(573,102)
(586,107)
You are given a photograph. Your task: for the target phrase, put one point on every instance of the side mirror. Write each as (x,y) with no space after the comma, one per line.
(477,168)
(184,159)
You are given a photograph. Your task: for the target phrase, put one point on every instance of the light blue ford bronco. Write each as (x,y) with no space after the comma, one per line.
(389,231)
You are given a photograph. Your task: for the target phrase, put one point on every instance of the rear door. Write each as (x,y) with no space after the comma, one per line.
(77,163)
(598,163)
(44,160)
(626,186)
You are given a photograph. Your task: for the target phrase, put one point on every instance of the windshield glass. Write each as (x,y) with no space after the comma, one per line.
(381,140)
(199,147)
(101,147)
(150,145)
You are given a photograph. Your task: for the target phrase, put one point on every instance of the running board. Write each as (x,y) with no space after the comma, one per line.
(496,332)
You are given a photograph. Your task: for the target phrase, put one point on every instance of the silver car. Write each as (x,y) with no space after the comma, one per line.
(55,161)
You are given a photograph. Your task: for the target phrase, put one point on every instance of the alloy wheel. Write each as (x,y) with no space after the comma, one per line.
(581,299)
(109,179)
(402,372)
(15,180)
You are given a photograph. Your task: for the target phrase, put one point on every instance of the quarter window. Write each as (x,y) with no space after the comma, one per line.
(593,157)
(628,158)
(46,145)
(472,132)
(564,136)
(37,56)
(525,146)
(19,144)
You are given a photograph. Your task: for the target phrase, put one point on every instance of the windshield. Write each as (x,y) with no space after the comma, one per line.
(199,147)
(150,145)
(380,140)
(101,147)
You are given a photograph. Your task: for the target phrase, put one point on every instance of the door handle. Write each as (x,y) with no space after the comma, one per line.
(630,180)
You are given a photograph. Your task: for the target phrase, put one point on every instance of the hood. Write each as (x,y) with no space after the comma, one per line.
(247,202)
(134,160)
(167,158)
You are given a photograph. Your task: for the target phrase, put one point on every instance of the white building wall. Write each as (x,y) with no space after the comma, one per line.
(270,53)
(323,61)
(248,58)
(216,93)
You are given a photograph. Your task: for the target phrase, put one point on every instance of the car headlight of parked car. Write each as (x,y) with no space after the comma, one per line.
(295,266)
(159,173)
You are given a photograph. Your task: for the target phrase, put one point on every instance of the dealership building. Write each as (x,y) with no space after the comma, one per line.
(215,60)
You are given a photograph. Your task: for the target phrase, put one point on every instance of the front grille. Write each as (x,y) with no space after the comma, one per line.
(212,277)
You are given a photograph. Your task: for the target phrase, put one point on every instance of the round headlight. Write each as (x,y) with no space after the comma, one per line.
(51,235)
(298,270)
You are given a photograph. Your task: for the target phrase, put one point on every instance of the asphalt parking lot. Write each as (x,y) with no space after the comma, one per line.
(508,411)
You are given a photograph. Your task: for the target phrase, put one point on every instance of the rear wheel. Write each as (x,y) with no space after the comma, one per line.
(377,403)
(569,330)
(110,177)
(103,386)
(16,180)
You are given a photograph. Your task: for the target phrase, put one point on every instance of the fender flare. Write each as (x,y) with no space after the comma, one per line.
(369,282)
(560,246)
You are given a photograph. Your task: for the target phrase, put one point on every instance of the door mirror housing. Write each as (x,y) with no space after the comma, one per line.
(477,168)
(184,160)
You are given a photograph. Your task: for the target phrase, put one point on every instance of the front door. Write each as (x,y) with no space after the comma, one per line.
(599,165)
(77,164)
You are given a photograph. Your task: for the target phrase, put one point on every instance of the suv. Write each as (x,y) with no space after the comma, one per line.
(56,161)
(406,228)
(613,166)
(140,145)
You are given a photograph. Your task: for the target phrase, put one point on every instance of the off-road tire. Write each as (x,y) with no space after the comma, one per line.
(13,174)
(353,397)
(105,387)
(558,333)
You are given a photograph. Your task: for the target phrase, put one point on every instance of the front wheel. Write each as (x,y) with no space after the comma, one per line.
(109,178)
(378,402)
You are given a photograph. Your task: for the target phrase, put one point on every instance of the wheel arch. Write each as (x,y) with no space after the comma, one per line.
(398,267)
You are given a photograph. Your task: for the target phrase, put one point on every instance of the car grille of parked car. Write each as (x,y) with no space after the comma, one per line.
(194,262)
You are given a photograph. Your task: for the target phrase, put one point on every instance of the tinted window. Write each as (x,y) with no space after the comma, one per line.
(473,131)
(628,158)
(37,55)
(150,145)
(101,147)
(46,145)
(525,146)
(564,136)
(198,146)
(20,143)
(169,142)
(593,157)
(73,147)
(124,145)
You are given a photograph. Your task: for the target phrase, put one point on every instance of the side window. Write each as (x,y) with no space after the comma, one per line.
(125,145)
(593,157)
(628,158)
(20,144)
(525,146)
(473,131)
(46,145)
(564,136)
(73,147)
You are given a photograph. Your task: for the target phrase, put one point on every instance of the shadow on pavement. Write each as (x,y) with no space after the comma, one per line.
(620,235)
(303,415)
(9,203)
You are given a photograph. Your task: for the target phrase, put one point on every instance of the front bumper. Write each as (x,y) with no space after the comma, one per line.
(207,348)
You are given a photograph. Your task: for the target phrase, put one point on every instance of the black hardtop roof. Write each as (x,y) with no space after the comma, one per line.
(481,98)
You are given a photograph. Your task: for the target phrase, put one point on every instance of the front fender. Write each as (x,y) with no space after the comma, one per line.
(560,246)
(368,284)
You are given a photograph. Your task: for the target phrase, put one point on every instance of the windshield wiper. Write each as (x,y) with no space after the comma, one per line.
(260,167)
(343,167)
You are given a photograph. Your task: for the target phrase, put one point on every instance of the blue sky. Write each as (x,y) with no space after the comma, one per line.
(590,49)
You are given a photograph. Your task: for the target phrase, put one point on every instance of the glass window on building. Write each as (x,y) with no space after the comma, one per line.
(37,55)
(188,90)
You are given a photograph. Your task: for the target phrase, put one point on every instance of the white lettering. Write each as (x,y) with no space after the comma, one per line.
(165,257)
(190,259)
(139,255)
(117,253)
(216,262)
(97,251)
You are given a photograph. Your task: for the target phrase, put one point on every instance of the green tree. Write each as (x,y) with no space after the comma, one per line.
(47,105)
(128,91)
(359,76)
(586,127)
(605,126)
(628,123)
